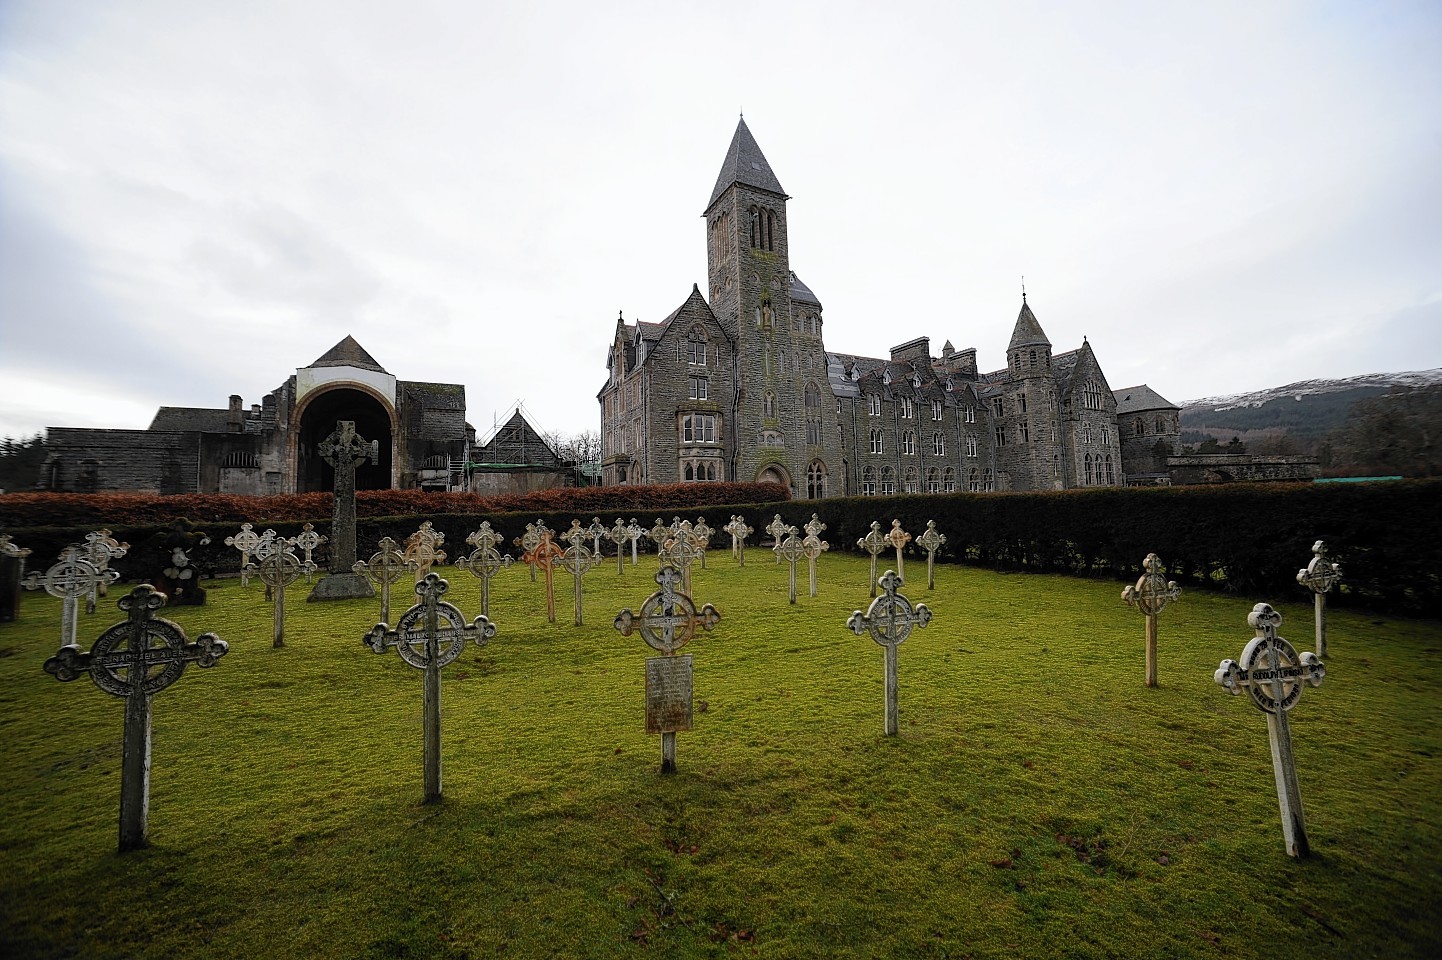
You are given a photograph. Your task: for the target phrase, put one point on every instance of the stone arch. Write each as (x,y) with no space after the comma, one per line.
(315,417)
(774,472)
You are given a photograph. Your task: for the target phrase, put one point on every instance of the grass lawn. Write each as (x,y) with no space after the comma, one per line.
(1039,800)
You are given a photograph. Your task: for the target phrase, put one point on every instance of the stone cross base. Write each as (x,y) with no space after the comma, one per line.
(341,586)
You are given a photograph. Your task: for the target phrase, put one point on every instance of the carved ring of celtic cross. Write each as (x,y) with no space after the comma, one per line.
(891,617)
(668,620)
(411,629)
(1271,670)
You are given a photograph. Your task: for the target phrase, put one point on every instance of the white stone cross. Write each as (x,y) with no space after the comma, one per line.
(597,530)
(424,547)
(307,541)
(701,535)
(931,541)
(874,543)
(739,532)
(544,555)
(1150,595)
(778,529)
(659,534)
(814,526)
(619,535)
(667,622)
(898,538)
(245,541)
(484,562)
(576,560)
(634,532)
(813,546)
(791,548)
(1319,576)
(890,620)
(429,636)
(152,653)
(678,551)
(100,549)
(528,542)
(278,569)
(385,567)
(1273,674)
(70,579)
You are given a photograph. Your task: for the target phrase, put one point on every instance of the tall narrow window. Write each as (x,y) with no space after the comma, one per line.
(696,347)
(948,480)
(699,388)
(988,483)
(908,443)
(938,445)
(816,480)
(908,482)
(868,482)
(813,415)
(933,480)
(888,482)
(1087,464)
(971,446)
(936,409)
(876,441)
(973,481)
(1025,433)
(873,404)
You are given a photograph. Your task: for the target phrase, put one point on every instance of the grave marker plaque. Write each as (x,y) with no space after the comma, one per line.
(890,620)
(344,450)
(279,568)
(667,622)
(1319,576)
(874,543)
(152,653)
(1273,674)
(69,580)
(931,541)
(429,636)
(1150,595)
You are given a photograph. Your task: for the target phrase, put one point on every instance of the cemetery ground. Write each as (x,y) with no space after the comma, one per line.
(1038,802)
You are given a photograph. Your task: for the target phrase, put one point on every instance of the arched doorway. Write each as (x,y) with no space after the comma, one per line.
(775,473)
(318,419)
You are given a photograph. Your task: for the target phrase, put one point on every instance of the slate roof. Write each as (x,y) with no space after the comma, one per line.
(182,419)
(800,292)
(349,353)
(437,396)
(1028,332)
(745,164)
(1141,397)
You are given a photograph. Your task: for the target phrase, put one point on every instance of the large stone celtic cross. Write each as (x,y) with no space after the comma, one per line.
(576,560)
(136,659)
(889,620)
(278,569)
(429,636)
(70,579)
(1150,595)
(1319,576)
(1273,674)
(739,532)
(485,561)
(874,543)
(385,567)
(931,540)
(100,549)
(667,622)
(344,450)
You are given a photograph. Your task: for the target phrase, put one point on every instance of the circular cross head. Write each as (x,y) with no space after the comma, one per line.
(450,634)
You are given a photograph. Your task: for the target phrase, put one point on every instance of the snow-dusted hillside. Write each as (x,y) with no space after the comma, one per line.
(1305,388)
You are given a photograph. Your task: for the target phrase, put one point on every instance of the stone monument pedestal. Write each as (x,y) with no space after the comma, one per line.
(341,586)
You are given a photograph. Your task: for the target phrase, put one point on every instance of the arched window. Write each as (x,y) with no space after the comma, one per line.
(868,482)
(1111,477)
(1138,427)
(770,231)
(1033,358)
(755,227)
(888,482)
(971,446)
(688,475)
(948,480)
(908,482)
(988,484)
(908,443)
(933,480)
(1161,425)
(1087,464)
(973,481)
(813,415)
(816,480)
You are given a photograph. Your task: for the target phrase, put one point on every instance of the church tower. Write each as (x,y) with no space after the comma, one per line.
(783,424)
(1028,431)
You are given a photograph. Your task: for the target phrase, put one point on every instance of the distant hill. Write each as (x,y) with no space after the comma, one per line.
(1294,417)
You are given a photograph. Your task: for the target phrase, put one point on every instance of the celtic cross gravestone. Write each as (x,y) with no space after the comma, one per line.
(898,538)
(245,541)
(931,541)
(1319,576)
(544,556)
(278,569)
(813,546)
(778,529)
(385,567)
(136,659)
(634,533)
(1273,674)
(528,541)
(1150,595)
(423,548)
(701,534)
(667,622)
(576,560)
(485,561)
(874,543)
(739,532)
(619,535)
(307,541)
(659,534)
(429,636)
(597,530)
(678,551)
(69,580)
(791,549)
(890,620)
(344,450)
(100,549)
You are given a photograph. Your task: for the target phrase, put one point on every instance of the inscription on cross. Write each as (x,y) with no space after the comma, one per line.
(576,560)
(739,532)
(889,620)
(429,636)
(69,580)
(931,540)
(136,659)
(278,569)
(1273,674)
(874,543)
(100,549)
(667,622)
(1319,576)
(484,562)
(344,450)
(1150,595)
(385,567)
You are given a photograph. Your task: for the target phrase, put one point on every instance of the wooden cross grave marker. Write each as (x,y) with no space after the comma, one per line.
(739,532)
(429,636)
(931,541)
(424,548)
(544,555)
(70,579)
(1150,595)
(100,549)
(278,569)
(667,622)
(778,529)
(890,620)
(344,450)
(152,653)
(528,542)
(1319,576)
(485,561)
(874,543)
(1273,674)
(576,560)
(385,567)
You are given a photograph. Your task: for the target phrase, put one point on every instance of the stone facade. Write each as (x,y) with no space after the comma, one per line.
(271,447)
(743,387)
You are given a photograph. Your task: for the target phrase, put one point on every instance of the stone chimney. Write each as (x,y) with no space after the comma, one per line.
(918,349)
(234,418)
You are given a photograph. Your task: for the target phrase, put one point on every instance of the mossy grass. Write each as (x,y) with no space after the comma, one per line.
(1039,800)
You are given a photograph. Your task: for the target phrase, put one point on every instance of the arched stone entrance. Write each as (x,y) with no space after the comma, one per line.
(318,419)
(775,473)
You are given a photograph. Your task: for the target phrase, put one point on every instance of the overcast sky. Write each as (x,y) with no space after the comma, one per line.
(198,197)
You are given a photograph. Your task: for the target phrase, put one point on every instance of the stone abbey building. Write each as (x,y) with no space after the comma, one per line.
(742,387)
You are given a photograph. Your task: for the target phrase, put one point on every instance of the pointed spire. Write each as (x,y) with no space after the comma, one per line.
(348,353)
(746,164)
(1028,332)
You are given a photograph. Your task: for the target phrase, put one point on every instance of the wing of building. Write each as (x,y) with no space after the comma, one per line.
(742,387)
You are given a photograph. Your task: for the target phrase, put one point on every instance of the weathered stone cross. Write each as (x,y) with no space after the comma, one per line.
(344,450)
(778,529)
(152,653)
(874,543)
(484,561)
(429,636)
(100,549)
(1150,595)
(890,620)
(1319,576)
(245,541)
(931,541)
(898,538)
(667,622)
(528,541)
(424,548)
(597,530)
(619,535)
(576,560)
(278,569)
(739,532)
(678,551)
(544,555)
(1274,674)
(791,548)
(634,533)
(813,546)
(308,540)
(659,534)
(701,535)
(385,567)
(70,579)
